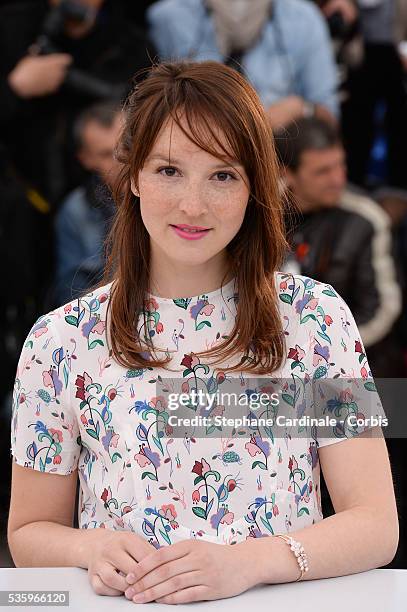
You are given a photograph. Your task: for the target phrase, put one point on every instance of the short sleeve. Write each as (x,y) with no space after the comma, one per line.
(44,429)
(344,391)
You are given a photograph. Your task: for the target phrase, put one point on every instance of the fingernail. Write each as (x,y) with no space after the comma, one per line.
(139,598)
(130,593)
(130,578)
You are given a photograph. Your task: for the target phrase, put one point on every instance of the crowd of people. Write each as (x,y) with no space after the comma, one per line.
(331,75)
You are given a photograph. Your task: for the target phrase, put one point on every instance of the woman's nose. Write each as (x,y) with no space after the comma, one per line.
(194,201)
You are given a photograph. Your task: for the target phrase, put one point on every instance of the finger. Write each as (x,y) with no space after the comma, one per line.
(138,547)
(177,583)
(66,59)
(60,57)
(112,579)
(100,588)
(123,562)
(159,557)
(160,575)
(195,593)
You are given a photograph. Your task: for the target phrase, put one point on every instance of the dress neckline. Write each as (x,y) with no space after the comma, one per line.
(210,295)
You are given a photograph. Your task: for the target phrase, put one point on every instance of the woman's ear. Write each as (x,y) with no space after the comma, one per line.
(134,189)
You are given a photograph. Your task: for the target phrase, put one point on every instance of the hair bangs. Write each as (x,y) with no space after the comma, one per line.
(205,126)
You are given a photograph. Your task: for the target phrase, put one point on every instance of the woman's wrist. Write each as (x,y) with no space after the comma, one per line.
(86,540)
(251,562)
(270,561)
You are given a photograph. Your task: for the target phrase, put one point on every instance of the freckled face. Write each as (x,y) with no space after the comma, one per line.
(182,185)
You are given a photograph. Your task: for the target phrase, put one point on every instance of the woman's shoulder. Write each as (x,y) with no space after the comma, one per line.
(292,287)
(83,317)
(305,300)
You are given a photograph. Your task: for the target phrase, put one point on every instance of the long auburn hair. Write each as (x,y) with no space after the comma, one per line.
(210,96)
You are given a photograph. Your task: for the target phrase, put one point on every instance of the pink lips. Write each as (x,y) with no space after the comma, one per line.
(189,235)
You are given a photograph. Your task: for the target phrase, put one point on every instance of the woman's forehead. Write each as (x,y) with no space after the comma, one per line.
(177,137)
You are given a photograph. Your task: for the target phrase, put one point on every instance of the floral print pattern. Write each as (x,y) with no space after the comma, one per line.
(74,408)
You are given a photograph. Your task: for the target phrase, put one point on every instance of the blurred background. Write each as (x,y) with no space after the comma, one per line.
(332,76)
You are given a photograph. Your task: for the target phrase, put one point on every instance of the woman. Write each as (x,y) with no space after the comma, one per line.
(192,289)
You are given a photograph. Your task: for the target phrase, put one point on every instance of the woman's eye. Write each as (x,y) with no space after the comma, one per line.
(167,171)
(223,177)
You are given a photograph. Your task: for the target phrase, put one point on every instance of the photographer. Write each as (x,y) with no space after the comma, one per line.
(342,17)
(281,46)
(343,238)
(84,217)
(56,58)
(340,14)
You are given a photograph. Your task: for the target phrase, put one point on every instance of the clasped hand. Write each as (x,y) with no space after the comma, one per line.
(190,570)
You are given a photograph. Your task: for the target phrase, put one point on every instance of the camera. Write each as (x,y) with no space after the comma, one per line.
(336,23)
(65,10)
(53,28)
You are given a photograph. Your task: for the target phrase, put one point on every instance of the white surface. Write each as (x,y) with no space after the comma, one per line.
(374,591)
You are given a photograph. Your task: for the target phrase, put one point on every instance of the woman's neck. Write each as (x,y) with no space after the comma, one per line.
(184,281)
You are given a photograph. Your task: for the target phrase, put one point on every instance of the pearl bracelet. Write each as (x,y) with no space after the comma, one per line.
(298,551)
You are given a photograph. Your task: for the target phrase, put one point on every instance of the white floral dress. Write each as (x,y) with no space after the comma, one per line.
(74,408)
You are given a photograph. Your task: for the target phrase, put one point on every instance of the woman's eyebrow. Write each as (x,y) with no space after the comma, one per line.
(234,163)
(164,158)
(173,160)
